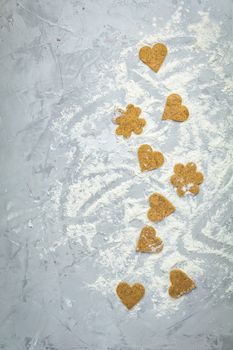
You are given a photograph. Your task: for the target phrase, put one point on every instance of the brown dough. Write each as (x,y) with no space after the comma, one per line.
(129,122)
(160,207)
(148,241)
(130,295)
(149,159)
(181,283)
(153,57)
(186,178)
(174,110)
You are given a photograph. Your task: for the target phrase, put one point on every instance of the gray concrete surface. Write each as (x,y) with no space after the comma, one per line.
(55,56)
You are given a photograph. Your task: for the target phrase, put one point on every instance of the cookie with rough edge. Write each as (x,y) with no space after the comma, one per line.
(130,295)
(129,122)
(186,179)
(174,110)
(153,56)
(149,159)
(160,207)
(181,283)
(148,242)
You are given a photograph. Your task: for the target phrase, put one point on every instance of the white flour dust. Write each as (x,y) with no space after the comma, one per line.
(111,183)
(205,32)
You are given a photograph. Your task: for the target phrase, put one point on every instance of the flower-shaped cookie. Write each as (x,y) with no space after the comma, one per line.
(129,122)
(186,178)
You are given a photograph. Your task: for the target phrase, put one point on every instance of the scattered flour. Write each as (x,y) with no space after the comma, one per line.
(206,32)
(200,139)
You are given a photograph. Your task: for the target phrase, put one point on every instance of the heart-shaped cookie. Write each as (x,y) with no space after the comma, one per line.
(153,57)
(130,295)
(148,241)
(174,110)
(149,159)
(160,207)
(181,283)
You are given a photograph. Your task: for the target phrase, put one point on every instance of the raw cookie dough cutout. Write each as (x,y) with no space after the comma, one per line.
(148,241)
(129,121)
(149,159)
(130,295)
(174,110)
(186,178)
(181,283)
(160,207)
(153,57)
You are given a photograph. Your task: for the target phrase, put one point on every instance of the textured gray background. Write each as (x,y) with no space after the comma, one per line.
(52,56)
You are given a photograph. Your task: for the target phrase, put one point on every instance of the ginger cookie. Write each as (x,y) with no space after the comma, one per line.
(153,57)
(186,178)
(174,110)
(149,159)
(148,241)
(181,283)
(129,122)
(130,295)
(160,207)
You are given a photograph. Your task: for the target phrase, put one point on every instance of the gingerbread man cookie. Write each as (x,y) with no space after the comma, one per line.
(129,122)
